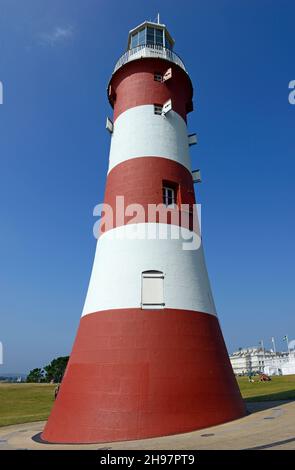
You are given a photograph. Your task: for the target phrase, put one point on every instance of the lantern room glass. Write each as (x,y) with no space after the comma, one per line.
(151,36)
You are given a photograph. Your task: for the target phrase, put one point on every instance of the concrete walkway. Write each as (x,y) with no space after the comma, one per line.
(271,425)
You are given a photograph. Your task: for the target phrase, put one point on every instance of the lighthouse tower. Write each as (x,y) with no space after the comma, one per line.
(149,358)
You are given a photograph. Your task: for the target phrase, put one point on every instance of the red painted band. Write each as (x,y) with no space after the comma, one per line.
(134,85)
(140,181)
(138,373)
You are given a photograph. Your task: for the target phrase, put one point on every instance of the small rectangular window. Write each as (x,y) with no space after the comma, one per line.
(134,40)
(158,109)
(150,36)
(169,196)
(152,290)
(168,43)
(159,36)
(141,36)
(158,77)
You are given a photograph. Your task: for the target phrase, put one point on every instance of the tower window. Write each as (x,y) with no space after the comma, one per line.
(168,43)
(134,40)
(158,109)
(150,36)
(158,77)
(159,36)
(141,37)
(138,38)
(152,290)
(169,196)
(154,36)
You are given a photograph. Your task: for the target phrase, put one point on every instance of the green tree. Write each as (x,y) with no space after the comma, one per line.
(35,375)
(56,369)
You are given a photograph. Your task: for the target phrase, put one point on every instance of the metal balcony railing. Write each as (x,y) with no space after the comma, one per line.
(149,50)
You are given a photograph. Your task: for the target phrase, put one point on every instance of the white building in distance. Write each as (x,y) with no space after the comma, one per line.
(259,360)
(288,367)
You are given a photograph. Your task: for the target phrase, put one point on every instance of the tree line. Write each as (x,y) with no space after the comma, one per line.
(53,372)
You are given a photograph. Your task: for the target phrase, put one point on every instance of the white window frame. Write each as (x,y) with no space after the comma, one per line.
(167,107)
(196,174)
(152,275)
(167,75)
(166,197)
(109,125)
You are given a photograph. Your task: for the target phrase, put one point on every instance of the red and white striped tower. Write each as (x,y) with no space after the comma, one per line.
(149,358)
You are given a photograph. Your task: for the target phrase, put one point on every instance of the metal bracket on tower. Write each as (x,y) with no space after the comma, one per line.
(109,125)
(192,139)
(167,75)
(166,107)
(111,94)
(196,176)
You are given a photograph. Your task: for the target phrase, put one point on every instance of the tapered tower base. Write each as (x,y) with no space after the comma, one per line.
(135,374)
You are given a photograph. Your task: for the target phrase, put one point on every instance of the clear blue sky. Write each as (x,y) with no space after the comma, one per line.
(55,61)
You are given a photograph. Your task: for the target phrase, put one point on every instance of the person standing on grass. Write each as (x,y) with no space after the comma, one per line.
(250,377)
(56,391)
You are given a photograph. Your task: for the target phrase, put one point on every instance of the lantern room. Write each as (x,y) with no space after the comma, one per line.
(150,34)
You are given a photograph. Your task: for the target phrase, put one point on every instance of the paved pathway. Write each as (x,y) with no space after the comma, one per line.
(271,425)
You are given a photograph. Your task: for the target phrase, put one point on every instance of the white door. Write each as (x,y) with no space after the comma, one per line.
(152,290)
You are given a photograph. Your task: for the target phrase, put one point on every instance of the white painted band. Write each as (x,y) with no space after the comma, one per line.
(121,258)
(138,132)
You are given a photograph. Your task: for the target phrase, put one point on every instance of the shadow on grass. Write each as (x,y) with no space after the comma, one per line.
(256,406)
(288,395)
(267,401)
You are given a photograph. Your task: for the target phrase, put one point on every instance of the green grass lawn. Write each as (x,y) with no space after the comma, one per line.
(280,388)
(23,403)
